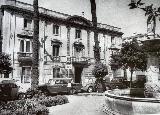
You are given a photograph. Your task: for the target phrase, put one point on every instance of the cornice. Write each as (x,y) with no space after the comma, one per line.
(69,23)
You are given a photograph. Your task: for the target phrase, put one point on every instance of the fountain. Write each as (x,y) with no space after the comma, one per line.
(119,102)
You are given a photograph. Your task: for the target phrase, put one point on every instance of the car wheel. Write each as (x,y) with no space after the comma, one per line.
(90,89)
(72,91)
(21,96)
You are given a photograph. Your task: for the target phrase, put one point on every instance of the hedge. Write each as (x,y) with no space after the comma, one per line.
(34,106)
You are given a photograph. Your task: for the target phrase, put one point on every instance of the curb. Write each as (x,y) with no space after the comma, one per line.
(92,94)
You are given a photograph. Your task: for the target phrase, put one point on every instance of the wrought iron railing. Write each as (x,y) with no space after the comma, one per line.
(24,56)
(56,58)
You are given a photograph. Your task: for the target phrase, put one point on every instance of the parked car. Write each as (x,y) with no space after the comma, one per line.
(9,90)
(119,83)
(89,87)
(60,85)
(92,87)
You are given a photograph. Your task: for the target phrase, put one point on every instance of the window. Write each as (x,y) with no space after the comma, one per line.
(78,33)
(56,72)
(55,50)
(25,46)
(27,23)
(55,29)
(22,46)
(26,75)
(112,40)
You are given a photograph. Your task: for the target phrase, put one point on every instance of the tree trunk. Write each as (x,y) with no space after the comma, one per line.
(35,48)
(94,21)
(125,74)
(131,78)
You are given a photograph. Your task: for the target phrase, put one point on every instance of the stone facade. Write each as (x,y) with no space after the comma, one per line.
(66,42)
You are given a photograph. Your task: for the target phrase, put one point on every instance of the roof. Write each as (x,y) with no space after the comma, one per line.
(46,14)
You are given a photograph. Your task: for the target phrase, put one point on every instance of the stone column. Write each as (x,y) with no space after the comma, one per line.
(152,68)
(88,42)
(68,40)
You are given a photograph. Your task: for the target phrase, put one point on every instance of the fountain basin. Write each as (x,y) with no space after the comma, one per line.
(125,105)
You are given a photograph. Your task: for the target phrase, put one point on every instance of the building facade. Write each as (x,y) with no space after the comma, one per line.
(66,42)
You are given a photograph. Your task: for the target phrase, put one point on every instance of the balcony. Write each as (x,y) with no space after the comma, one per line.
(25,57)
(56,58)
(80,61)
(25,33)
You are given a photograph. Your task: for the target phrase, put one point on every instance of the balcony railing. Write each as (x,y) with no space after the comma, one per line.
(56,58)
(24,57)
(80,60)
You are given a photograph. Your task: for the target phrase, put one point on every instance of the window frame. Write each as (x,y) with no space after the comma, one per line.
(27,23)
(55,50)
(78,33)
(23,46)
(56,30)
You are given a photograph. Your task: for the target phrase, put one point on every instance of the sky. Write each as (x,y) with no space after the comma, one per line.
(111,12)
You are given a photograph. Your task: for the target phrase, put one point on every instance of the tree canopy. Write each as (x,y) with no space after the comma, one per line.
(100,70)
(132,56)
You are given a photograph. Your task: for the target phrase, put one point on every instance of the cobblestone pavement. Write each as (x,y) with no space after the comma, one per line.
(80,105)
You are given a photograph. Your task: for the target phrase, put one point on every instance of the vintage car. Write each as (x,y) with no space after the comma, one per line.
(92,86)
(9,90)
(60,85)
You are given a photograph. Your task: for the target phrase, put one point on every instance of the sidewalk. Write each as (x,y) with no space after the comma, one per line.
(80,105)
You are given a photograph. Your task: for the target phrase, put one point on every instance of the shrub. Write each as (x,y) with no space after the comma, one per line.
(100,70)
(53,101)
(152,89)
(23,107)
(35,106)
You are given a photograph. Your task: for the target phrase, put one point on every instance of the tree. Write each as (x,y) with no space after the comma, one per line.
(94,21)
(5,64)
(100,71)
(131,56)
(35,46)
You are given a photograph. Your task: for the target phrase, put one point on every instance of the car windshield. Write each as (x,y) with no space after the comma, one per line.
(59,81)
(51,81)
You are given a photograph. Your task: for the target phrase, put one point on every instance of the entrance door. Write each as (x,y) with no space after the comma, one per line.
(26,75)
(78,72)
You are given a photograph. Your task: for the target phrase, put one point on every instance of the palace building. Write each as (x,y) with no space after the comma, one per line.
(66,42)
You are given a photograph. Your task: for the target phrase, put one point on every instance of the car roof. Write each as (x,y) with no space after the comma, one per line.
(61,79)
(3,81)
